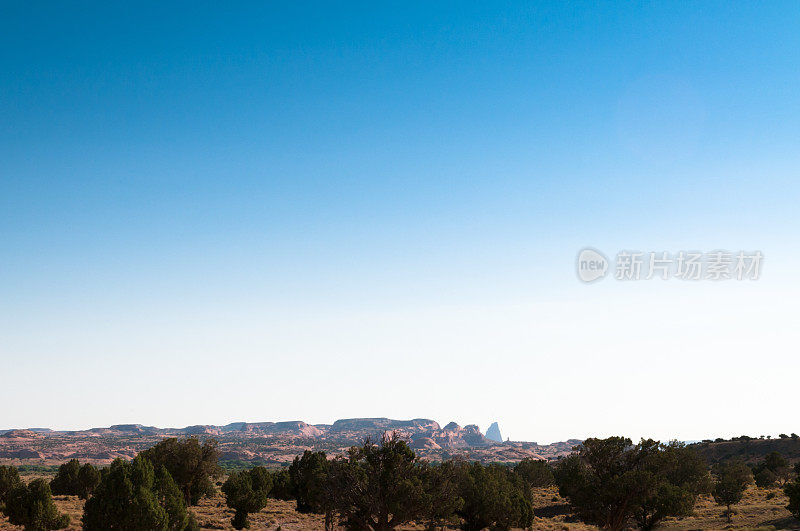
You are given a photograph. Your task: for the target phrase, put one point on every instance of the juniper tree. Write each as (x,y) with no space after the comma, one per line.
(308,474)
(247,492)
(764,478)
(671,477)
(282,488)
(88,479)
(76,480)
(442,491)
(732,480)
(66,479)
(493,496)
(378,486)
(192,465)
(792,491)
(134,497)
(535,472)
(32,507)
(778,465)
(611,481)
(9,480)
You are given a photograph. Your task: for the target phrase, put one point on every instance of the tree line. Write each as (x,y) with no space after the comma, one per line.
(152,492)
(380,485)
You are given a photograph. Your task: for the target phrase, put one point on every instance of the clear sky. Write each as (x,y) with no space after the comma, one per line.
(273,211)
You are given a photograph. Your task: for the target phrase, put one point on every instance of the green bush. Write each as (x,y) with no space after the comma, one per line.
(610,481)
(76,480)
(308,474)
(792,491)
(193,466)
(772,468)
(32,507)
(66,480)
(9,480)
(378,486)
(133,497)
(494,497)
(88,479)
(247,492)
(732,480)
(442,492)
(765,478)
(535,472)
(282,486)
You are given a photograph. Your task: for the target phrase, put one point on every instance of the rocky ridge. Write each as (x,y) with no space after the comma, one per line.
(273,443)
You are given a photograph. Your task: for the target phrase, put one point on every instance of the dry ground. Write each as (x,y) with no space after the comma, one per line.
(761,509)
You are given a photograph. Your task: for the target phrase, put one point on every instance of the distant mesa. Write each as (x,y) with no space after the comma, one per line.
(202,430)
(297,428)
(493,433)
(21,434)
(425,433)
(384,424)
(274,442)
(134,429)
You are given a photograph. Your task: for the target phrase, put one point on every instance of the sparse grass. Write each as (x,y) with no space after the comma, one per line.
(759,509)
(71,505)
(212,513)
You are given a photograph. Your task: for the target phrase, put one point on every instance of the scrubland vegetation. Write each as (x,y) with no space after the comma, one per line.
(380,485)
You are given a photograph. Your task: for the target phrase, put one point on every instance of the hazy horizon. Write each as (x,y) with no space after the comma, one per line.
(264,211)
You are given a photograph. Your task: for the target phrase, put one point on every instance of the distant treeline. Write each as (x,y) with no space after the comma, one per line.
(748,449)
(382,484)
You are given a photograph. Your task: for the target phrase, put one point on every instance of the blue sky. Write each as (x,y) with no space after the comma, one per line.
(315,212)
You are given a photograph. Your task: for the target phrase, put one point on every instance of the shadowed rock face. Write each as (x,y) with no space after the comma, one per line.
(472,435)
(23,453)
(424,443)
(493,433)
